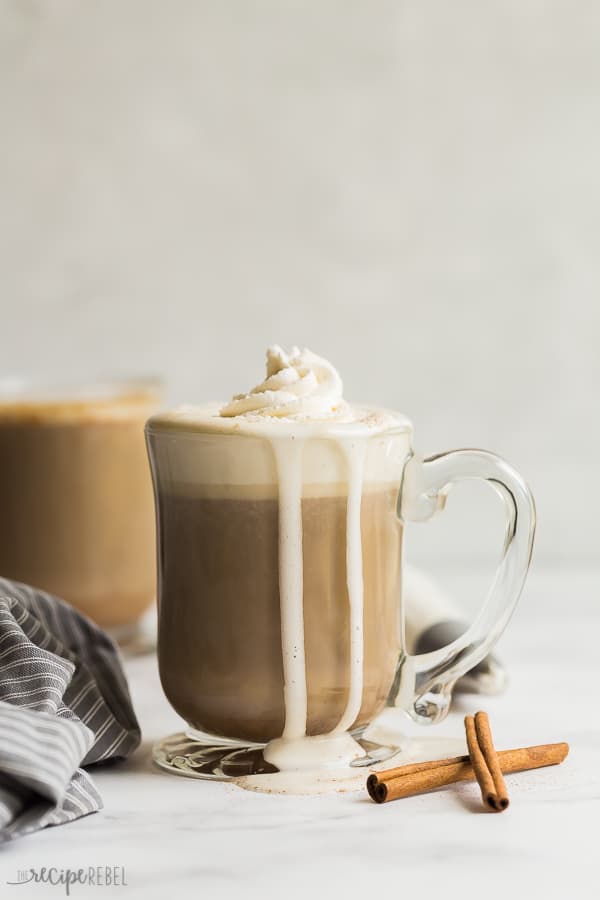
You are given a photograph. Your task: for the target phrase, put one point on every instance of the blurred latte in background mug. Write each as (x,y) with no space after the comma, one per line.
(75,493)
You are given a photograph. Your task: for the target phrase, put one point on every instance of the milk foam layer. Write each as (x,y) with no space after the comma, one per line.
(208,464)
(317,415)
(358,420)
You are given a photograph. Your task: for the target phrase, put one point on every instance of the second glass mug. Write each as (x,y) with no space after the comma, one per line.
(279,589)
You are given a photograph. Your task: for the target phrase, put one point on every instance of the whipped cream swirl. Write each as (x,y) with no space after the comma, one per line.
(299,385)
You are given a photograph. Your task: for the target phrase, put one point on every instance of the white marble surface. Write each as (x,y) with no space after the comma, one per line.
(200,839)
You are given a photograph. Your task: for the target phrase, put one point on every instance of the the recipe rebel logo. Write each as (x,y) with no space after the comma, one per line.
(92,876)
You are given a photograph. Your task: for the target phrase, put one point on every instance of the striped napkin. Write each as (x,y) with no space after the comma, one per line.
(64,703)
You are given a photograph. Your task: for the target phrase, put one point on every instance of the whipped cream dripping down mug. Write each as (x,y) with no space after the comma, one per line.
(280,519)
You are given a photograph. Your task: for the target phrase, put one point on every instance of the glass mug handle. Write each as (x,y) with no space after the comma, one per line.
(425,682)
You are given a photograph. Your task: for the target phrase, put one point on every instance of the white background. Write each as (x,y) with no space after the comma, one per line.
(411,189)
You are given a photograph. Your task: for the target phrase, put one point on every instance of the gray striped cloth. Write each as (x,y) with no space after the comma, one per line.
(64,704)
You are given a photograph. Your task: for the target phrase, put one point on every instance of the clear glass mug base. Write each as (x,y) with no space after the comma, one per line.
(194,754)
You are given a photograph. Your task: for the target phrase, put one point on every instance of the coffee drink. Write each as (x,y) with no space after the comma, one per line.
(220,627)
(279,561)
(76,499)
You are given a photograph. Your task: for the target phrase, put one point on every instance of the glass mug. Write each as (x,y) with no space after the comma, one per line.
(76,495)
(279,588)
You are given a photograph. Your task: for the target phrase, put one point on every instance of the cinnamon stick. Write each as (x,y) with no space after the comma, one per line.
(497,799)
(415,778)
(411,768)
(483,775)
(377,778)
